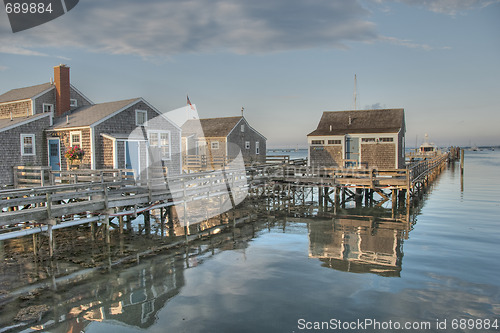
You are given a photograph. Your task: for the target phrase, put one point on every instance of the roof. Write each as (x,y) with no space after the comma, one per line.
(6,124)
(361,121)
(210,127)
(88,115)
(25,93)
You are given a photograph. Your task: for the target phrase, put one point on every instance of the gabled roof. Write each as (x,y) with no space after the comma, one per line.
(361,121)
(25,93)
(88,115)
(210,127)
(7,124)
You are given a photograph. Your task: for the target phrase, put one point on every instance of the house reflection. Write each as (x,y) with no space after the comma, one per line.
(359,244)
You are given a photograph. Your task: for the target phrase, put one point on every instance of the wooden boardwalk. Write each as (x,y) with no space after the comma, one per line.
(98,197)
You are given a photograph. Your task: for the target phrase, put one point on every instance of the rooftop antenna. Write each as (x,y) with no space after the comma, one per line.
(355,96)
(242,109)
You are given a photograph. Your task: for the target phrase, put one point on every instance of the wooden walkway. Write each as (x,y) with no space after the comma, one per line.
(97,198)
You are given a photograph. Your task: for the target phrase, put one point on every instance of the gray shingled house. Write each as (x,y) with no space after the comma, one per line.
(39,123)
(359,138)
(213,140)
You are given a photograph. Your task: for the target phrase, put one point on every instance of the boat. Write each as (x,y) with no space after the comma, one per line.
(427,148)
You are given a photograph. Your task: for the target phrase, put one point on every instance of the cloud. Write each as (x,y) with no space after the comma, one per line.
(163,28)
(410,44)
(450,7)
(375,106)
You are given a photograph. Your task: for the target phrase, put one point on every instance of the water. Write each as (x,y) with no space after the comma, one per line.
(290,275)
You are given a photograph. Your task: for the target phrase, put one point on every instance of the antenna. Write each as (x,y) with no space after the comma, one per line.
(355,95)
(242,109)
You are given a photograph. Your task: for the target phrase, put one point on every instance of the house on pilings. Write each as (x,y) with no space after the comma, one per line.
(359,139)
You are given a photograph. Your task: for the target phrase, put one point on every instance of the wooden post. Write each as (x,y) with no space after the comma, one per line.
(147,222)
(461,161)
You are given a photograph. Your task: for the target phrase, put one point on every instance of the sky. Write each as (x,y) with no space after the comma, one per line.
(284,61)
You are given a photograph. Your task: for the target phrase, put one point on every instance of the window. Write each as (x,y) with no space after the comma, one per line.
(317,142)
(386,139)
(334,142)
(27,144)
(75,139)
(257,149)
(48,107)
(161,140)
(368,140)
(247,144)
(141,117)
(214,144)
(73,103)
(243,128)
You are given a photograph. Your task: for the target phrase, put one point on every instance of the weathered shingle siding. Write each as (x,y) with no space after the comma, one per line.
(107,157)
(120,151)
(401,149)
(65,144)
(49,98)
(236,143)
(11,148)
(379,155)
(81,100)
(124,122)
(18,109)
(330,156)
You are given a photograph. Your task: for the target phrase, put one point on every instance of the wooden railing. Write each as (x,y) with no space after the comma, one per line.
(34,176)
(203,162)
(277,159)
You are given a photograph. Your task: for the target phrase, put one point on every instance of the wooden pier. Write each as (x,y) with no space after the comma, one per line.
(102,197)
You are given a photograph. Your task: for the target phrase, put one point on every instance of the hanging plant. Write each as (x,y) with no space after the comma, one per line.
(74,153)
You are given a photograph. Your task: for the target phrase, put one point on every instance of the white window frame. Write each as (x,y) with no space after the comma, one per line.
(73,134)
(51,107)
(145,113)
(214,145)
(73,103)
(243,128)
(257,147)
(247,144)
(33,145)
(159,145)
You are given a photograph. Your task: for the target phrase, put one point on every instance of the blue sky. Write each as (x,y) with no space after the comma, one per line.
(285,61)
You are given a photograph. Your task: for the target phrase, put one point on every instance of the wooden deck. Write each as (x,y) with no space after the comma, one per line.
(97,195)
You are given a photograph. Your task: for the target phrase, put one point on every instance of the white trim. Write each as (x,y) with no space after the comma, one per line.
(48,150)
(15,102)
(159,133)
(43,93)
(33,143)
(58,129)
(80,93)
(114,113)
(180,152)
(71,100)
(43,108)
(145,122)
(257,147)
(159,112)
(27,121)
(92,149)
(115,154)
(249,145)
(74,133)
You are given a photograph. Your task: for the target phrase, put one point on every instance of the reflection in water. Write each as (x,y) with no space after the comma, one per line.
(359,245)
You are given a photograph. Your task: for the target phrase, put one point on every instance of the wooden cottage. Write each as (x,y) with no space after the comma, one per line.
(39,123)
(213,142)
(361,138)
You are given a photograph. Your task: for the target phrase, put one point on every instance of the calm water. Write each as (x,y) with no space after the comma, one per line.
(287,275)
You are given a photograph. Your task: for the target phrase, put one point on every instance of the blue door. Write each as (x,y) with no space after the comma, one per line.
(54,154)
(132,156)
(352,151)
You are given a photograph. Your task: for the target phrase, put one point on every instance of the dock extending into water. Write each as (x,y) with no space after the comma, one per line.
(47,208)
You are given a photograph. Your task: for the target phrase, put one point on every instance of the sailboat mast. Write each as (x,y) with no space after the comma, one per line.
(355,96)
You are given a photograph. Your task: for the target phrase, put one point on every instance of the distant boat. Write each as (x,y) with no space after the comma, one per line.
(427,148)
(475,148)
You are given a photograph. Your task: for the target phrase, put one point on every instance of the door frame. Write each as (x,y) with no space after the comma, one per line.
(59,151)
(125,151)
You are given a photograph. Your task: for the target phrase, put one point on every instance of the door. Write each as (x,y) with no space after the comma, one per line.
(132,157)
(54,154)
(351,151)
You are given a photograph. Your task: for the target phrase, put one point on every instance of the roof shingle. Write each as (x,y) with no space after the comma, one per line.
(87,115)
(210,127)
(361,121)
(24,93)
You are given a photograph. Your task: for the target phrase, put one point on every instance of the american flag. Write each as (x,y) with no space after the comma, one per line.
(189,103)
